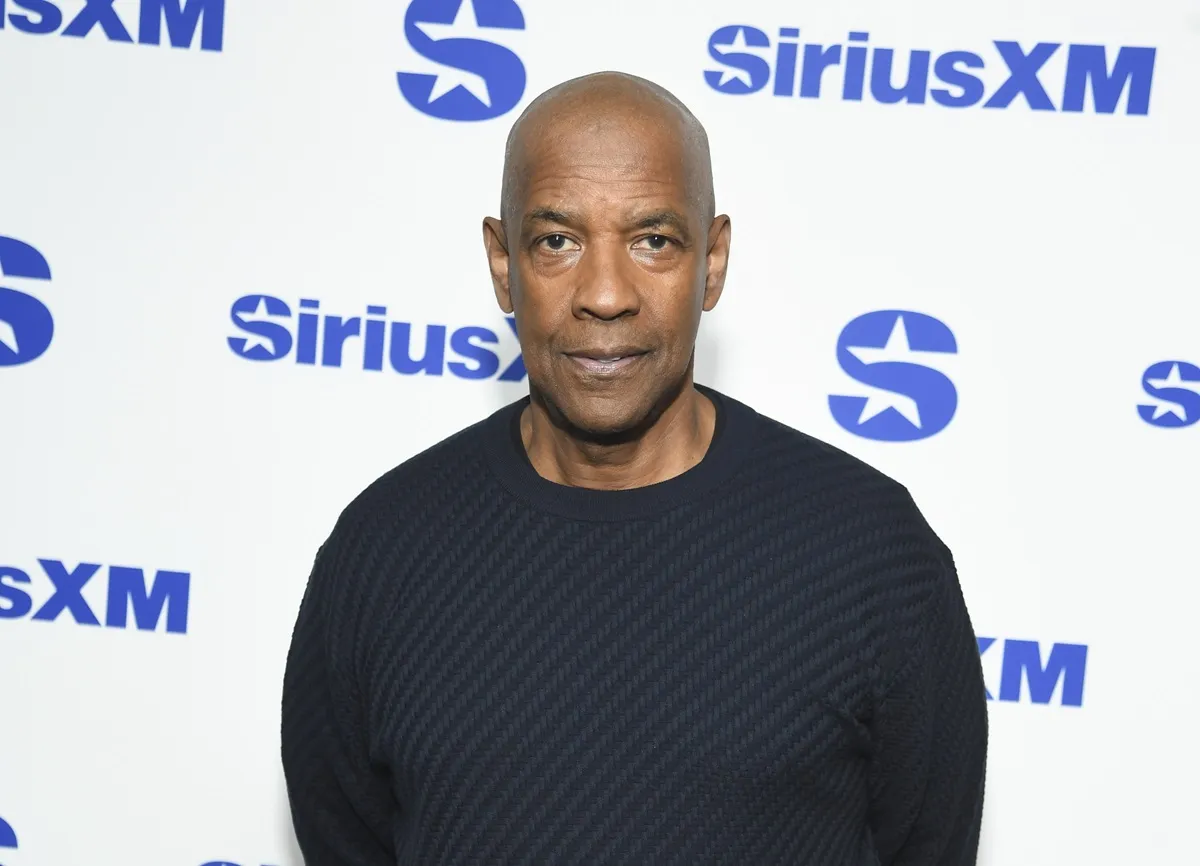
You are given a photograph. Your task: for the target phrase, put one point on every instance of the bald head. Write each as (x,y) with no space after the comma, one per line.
(608,252)
(592,104)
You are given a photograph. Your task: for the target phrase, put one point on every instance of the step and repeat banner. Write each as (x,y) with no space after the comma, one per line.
(241,276)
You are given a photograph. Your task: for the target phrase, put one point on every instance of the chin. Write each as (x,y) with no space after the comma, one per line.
(606,418)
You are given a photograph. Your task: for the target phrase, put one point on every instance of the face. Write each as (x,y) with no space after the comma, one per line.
(608,269)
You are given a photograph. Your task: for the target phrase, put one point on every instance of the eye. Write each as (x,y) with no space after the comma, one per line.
(657,243)
(556,243)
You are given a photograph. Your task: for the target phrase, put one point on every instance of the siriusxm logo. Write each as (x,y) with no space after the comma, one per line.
(182,17)
(8,837)
(472,77)
(165,594)
(315,338)
(856,69)
(889,352)
(1021,664)
(26,326)
(1174,390)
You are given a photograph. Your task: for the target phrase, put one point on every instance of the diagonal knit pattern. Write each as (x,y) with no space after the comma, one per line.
(766,660)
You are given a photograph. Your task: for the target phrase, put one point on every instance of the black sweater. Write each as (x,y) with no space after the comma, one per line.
(764,660)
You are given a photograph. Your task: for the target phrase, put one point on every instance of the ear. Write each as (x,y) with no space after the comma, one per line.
(717,261)
(497,253)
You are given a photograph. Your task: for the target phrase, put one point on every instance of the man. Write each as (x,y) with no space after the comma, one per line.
(628,619)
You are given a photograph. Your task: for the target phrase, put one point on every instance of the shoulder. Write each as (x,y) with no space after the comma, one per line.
(807,473)
(446,468)
(876,550)
(419,493)
(846,513)
(406,514)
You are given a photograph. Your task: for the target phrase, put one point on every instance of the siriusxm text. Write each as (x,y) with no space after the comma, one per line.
(994,78)
(153,600)
(888,352)
(1173,393)
(182,19)
(1024,674)
(368,341)
(477,76)
(8,836)
(26,325)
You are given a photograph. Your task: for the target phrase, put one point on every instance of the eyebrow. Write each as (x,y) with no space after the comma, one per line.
(658,219)
(664,219)
(549,215)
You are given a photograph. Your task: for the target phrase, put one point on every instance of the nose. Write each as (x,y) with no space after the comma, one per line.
(607,288)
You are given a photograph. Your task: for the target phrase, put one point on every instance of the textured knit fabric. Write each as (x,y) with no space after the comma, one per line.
(764,660)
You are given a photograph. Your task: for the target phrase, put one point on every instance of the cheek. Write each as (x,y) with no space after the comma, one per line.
(540,308)
(674,311)
(539,326)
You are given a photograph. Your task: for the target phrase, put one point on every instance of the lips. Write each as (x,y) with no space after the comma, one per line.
(607,360)
(608,354)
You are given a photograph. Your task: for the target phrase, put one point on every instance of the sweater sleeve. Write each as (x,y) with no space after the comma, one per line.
(342,807)
(930,734)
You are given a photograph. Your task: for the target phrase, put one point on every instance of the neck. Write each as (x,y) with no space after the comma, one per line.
(675,442)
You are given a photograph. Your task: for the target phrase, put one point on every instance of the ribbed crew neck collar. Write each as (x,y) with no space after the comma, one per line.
(507,458)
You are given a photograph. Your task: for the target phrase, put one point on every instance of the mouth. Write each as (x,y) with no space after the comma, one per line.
(607,362)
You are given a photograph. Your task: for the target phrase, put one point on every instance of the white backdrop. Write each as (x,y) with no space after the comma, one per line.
(184,197)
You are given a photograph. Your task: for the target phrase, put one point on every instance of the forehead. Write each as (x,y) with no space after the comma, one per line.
(617,156)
